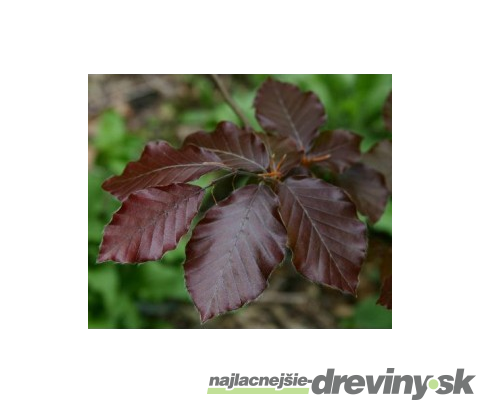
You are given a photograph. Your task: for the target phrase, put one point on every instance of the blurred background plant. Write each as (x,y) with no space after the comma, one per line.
(126,111)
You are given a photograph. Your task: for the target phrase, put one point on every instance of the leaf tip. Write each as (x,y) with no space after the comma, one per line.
(101,259)
(204,318)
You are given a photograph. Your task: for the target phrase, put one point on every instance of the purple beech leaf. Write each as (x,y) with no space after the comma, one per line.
(284,109)
(301,170)
(387,112)
(233,250)
(149,223)
(237,148)
(342,146)
(367,189)
(380,159)
(161,164)
(385,298)
(326,237)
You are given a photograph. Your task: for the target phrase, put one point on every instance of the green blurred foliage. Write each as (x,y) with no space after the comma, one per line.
(368,315)
(385,222)
(116,292)
(115,146)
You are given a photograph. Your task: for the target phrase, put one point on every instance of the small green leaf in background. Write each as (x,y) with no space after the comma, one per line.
(368,315)
(111,130)
(115,146)
(161,282)
(385,222)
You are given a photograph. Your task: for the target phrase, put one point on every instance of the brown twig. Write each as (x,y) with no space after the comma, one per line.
(307,161)
(230,100)
(320,158)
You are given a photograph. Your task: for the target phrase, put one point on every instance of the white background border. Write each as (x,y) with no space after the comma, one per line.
(48,48)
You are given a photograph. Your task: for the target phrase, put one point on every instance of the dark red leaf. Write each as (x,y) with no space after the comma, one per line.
(381,254)
(283,151)
(233,250)
(380,159)
(342,147)
(367,188)
(237,148)
(160,165)
(387,112)
(150,223)
(385,298)
(283,109)
(327,239)
(301,170)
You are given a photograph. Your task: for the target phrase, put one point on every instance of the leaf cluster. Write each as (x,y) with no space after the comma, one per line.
(304,190)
